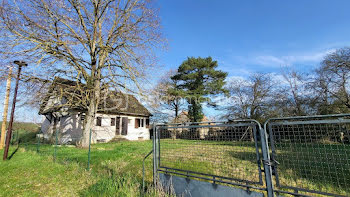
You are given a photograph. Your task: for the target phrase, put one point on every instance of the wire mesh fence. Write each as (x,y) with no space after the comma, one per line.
(227,153)
(62,148)
(311,154)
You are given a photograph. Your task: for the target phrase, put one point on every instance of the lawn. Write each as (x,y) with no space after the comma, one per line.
(116,168)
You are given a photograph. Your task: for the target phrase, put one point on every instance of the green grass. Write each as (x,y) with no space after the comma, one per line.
(116,168)
(29,174)
(315,166)
(320,166)
(24,126)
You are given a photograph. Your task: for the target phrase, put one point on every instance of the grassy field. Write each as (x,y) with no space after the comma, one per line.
(116,168)
(314,166)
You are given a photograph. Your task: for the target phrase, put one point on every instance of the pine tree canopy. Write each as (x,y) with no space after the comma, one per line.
(198,80)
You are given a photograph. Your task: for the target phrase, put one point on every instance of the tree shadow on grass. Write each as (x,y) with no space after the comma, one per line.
(13,153)
(247,156)
(314,167)
(322,168)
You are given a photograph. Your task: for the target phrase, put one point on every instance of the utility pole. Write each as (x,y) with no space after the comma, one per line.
(6,106)
(9,130)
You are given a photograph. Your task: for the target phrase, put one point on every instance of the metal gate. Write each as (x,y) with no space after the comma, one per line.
(310,156)
(230,153)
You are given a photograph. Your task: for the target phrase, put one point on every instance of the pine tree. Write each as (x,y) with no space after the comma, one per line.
(198,80)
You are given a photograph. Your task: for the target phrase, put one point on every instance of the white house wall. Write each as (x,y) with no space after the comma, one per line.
(46,128)
(107,132)
(71,128)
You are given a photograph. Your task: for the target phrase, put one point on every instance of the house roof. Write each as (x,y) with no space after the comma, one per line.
(112,102)
(183,117)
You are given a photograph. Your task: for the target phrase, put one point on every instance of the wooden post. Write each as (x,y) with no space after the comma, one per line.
(9,129)
(6,106)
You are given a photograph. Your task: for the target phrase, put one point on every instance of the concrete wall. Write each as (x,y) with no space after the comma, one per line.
(71,128)
(194,188)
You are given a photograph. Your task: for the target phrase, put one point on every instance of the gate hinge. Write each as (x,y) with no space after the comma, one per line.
(270,162)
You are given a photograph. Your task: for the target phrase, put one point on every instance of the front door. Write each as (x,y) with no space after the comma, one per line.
(117,126)
(124,125)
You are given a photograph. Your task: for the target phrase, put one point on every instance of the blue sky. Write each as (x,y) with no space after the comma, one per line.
(254,36)
(250,35)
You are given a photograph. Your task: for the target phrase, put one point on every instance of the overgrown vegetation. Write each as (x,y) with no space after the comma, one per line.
(25,131)
(25,126)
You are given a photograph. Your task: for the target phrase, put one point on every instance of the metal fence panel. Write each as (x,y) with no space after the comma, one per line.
(311,155)
(229,153)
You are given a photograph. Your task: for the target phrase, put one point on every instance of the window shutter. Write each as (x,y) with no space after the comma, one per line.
(137,122)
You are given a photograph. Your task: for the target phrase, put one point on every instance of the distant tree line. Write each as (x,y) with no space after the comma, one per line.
(324,90)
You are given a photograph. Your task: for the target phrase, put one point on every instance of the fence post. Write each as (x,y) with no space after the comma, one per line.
(38,144)
(155,176)
(88,166)
(266,162)
(54,152)
(17,138)
(143,171)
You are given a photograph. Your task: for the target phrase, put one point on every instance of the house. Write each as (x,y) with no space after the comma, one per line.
(119,115)
(183,118)
(214,132)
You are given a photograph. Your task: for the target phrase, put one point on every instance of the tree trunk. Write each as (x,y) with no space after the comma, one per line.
(176,110)
(89,123)
(91,114)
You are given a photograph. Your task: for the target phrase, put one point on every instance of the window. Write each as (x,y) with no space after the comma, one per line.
(112,121)
(147,123)
(98,121)
(82,117)
(137,123)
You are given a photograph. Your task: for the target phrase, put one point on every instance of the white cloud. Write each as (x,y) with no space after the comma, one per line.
(235,78)
(268,60)
(288,60)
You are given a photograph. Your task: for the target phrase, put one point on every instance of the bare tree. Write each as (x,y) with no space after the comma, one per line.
(251,98)
(293,96)
(102,44)
(321,100)
(335,69)
(330,83)
(169,97)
